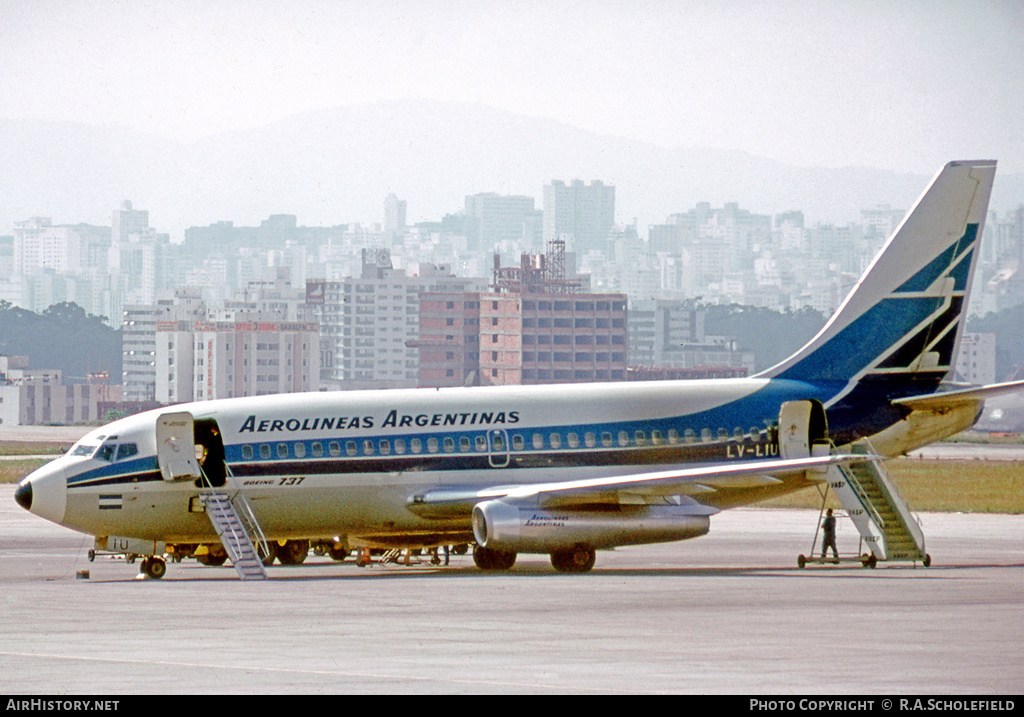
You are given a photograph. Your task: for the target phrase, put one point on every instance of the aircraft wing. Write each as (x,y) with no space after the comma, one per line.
(945,400)
(701,481)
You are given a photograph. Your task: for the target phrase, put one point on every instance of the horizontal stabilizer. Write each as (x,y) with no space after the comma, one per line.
(957,397)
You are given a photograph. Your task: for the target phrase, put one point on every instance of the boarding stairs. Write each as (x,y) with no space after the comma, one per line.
(234,531)
(882,516)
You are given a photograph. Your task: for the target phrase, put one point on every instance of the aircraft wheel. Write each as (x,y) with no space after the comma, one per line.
(293,552)
(927,560)
(215,557)
(154,567)
(338,552)
(579,558)
(801,562)
(491,559)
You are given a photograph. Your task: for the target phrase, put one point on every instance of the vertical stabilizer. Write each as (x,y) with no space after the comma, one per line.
(904,318)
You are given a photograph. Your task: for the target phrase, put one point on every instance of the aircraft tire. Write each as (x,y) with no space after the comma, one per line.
(493,560)
(579,558)
(293,552)
(338,553)
(214,559)
(154,567)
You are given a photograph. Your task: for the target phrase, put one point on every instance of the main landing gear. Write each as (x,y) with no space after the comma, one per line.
(493,560)
(576,559)
(579,558)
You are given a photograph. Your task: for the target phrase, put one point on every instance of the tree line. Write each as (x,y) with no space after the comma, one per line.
(62,337)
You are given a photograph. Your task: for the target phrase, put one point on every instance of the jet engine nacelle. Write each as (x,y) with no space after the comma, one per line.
(502,525)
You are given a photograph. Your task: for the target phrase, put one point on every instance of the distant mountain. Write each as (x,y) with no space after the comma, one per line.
(336,166)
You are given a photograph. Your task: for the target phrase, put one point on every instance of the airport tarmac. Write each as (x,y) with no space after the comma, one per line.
(728,613)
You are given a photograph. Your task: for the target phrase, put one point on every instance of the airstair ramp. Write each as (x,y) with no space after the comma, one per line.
(882,516)
(234,536)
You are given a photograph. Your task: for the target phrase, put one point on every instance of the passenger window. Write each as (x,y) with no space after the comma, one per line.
(416,445)
(350,448)
(385,447)
(556,440)
(300,450)
(399,446)
(755,434)
(317,449)
(265,451)
(498,440)
(589,440)
(656,438)
(449,445)
(606,439)
(247,453)
(639,438)
(538,441)
(464,444)
(367,447)
(334,448)
(623,438)
(705,435)
(690,436)
(573,440)
(673,436)
(432,445)
(282,450)
(481,443)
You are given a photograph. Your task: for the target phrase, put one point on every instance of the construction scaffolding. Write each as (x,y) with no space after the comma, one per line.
(536,273)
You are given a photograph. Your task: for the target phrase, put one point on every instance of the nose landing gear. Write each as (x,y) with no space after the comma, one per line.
(154,567)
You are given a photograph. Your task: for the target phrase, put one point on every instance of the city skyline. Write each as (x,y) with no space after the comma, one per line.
(344,176)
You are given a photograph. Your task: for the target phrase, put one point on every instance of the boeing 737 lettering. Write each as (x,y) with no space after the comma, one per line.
(563,470)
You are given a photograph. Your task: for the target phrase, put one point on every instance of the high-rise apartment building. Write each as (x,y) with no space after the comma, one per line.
(139,345)
(369,324)
(247,356)
(504,220)
(583,214)
(535,327)
(394,215)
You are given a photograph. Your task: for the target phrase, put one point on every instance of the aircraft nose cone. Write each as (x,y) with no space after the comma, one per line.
(23,494)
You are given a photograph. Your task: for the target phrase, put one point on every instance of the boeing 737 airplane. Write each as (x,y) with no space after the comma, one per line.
(563,470)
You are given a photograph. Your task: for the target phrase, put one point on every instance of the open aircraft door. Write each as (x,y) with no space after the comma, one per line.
(175,446)
(803,429)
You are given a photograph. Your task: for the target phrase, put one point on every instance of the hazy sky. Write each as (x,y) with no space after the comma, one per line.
(896,85)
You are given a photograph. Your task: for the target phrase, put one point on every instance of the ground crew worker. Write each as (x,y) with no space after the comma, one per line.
(828,529)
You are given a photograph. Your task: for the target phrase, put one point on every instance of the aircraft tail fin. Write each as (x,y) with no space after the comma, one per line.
(904,318)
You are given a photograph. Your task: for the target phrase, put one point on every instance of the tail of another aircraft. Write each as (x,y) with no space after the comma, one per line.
(904,318)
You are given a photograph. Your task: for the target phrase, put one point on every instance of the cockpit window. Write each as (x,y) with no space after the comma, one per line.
(106,452)
(126,450)
(83,450)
